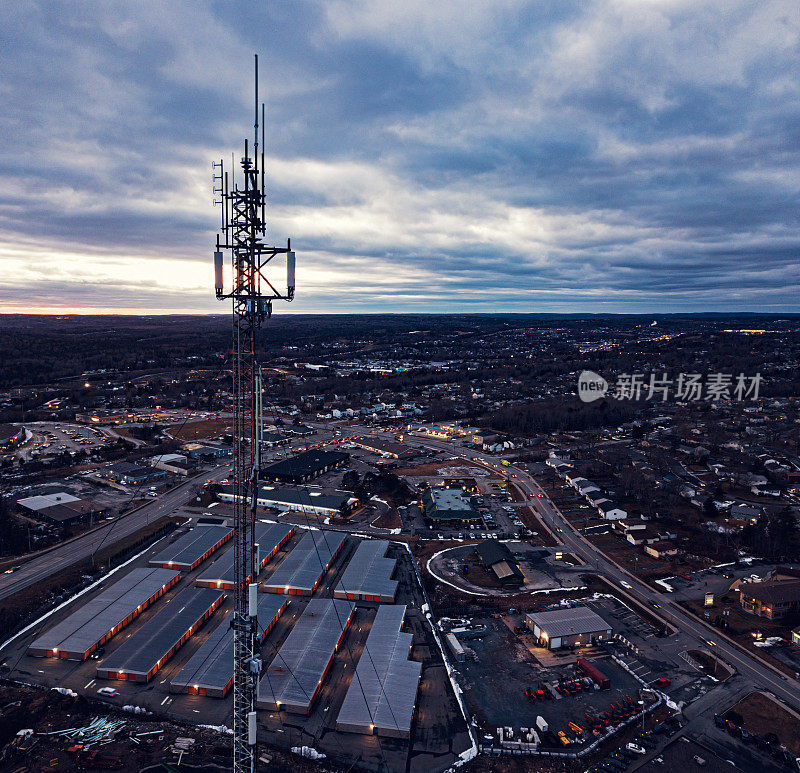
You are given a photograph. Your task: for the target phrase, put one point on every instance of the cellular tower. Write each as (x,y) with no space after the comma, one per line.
(242,198)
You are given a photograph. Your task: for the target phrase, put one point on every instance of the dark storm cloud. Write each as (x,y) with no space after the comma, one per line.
(524,156)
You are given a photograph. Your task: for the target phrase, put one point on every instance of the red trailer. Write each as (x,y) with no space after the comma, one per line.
(602,681)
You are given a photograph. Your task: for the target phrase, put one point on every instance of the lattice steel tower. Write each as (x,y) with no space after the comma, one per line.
(243,205)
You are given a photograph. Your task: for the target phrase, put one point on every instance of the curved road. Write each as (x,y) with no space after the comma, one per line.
(692,632)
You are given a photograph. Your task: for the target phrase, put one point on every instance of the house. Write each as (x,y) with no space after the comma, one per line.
(745,514)
(611,512)
(661,549)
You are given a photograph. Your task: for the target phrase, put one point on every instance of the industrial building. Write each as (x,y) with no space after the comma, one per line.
(368,575)
(210,670)
(447,505)
(383,693)
(194,547)
(270,538)
(305,500)
(96,621)
(274,439)
(305,466)
(571,627)
(293,679)
(302,570)
(138,658)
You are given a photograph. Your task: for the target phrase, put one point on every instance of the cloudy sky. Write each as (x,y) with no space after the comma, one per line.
(608,155)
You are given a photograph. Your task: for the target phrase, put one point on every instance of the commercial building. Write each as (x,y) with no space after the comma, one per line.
(210,670)
(129,474)
(59,508)
(305,466)
(194,547)
(305,500)
(201,451)
(383,693)
(302,570)
(174,463)
(138,658)
(270,538)
(295,676)
(274,439)
(382,447)
(368,575)
(447,505)
(500,562)
(773,599)
(11,436)
(572,627)
(120,417)
(95,622)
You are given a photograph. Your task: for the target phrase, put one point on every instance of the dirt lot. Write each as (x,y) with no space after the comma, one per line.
(712,666)
(762,715)
(45,710)
(198,430)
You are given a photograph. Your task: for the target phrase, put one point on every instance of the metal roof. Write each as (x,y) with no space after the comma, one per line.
(304,464)
(211,667)
(188,550)
(383,691)
(307,562)
(369,572)
(296,673)
(89,623)
(569,622)
(151,645)
(268,537)
(47,500)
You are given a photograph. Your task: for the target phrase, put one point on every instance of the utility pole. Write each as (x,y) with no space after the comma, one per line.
(243,204)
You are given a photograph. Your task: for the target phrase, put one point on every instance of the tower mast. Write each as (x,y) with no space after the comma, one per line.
(243,229)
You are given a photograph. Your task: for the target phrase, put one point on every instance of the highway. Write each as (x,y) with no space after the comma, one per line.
(692,633)
(45,564)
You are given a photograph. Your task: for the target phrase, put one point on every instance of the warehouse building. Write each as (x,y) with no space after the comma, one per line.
(302,570)
(295,676)
(95,622)
(270,538)
(210,670)
(138,658)
(201,451)
(383,693)
(302,499)
(274,439)
(368,575)
(447,505)
(194,547)
(305,466)
(572,627)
